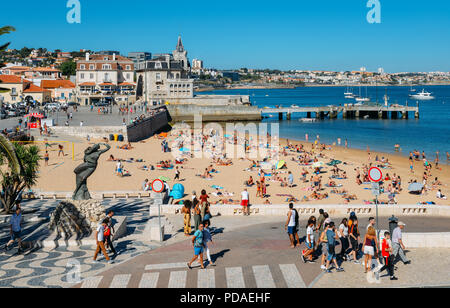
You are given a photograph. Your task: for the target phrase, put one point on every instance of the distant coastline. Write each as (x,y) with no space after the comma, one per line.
(287,86)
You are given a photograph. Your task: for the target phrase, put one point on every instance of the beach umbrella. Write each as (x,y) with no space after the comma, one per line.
(281,163)
(177,191)
(164,178)
(334,163)
(415,187)
(318,164)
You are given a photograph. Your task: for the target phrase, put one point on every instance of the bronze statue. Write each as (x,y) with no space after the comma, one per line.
(86,169)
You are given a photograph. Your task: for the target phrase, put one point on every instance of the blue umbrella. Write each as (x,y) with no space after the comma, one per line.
(415,187)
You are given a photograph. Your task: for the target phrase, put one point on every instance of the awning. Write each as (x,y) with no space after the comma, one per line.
(35,115)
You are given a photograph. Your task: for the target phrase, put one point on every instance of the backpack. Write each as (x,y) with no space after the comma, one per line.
(107,231)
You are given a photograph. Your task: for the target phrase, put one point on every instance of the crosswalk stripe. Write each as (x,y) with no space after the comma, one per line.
(149,281)
(235,277)
(206,278)
(263,277)
(165,266)
(292,276)
(120,281)
(177,279)
(91,282)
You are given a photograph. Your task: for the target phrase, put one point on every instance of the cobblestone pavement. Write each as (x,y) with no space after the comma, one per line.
(49,267)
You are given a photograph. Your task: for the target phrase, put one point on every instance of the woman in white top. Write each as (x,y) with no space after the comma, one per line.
(307,255)
(343,236)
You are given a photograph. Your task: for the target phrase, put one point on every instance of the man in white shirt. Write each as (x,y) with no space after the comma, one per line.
(397,243)
(100,237)
(245,202)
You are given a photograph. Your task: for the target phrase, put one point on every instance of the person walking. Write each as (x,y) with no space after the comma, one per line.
(46,158)
(354,236)
(207,238)
(197,214)
(100,237)
(397,244)
(386,252)
(245,202)
(197,242)
(343,237)
(320,220)
(332,236)
(15,230)
(323,242)
(307,255)
(370,248)
(177,174)
(186,211)
(292,225)
(61,150)
(109,233)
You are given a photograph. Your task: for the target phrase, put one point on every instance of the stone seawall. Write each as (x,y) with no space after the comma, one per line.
(214,113)
(92,131)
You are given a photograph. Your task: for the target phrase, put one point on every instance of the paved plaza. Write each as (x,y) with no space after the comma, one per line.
(250,252)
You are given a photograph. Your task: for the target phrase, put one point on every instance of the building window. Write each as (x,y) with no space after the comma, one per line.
(158,65)
(128,76)
(81,76)
(106,66)
(91,76)
(128,67)
(91,67)
(82,66)
(158,76)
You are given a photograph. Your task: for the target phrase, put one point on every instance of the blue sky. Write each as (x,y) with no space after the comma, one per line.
(314,34)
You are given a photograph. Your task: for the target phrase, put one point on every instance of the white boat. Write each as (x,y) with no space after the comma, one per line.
(423,96)
(348,93)
(294,106)
(306,120)
(362,99)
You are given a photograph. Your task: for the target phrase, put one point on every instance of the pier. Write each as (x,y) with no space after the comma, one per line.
(347,111)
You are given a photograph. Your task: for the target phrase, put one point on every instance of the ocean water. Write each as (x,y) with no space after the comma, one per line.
(430,133)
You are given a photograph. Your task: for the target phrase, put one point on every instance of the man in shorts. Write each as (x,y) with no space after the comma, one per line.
(291,225)
(197,242)
(245,202)
(15,229)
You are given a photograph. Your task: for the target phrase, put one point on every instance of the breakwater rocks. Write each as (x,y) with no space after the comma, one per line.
(76,217)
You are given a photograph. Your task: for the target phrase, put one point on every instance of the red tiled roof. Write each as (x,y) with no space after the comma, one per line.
(106,84)
(126,84)
(55,84)
(31,88)
(87,84)
(10,79)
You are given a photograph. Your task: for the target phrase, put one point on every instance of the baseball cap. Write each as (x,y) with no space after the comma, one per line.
(401,223)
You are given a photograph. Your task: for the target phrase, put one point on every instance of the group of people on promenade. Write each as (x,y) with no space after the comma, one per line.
(323,235)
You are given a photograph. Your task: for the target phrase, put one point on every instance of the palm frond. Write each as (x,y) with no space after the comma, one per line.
(8,150)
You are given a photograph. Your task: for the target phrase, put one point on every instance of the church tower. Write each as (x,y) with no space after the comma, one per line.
(180,54)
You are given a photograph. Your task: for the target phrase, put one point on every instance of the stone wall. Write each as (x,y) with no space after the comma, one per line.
(92,131)
(214,113)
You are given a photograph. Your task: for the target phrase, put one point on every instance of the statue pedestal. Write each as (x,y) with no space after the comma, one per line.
(77,217)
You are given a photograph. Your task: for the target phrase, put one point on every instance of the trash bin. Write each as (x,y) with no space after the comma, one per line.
(120,138)
(111,137)
(392,223)
(116,137)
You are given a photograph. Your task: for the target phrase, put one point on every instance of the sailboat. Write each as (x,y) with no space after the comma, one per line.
(349,94)
(360,98)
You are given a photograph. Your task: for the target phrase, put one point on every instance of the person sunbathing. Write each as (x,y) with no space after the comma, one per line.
(111,158)
(126,146)
(267,202)
(206,174)
(331,183)
(250,182)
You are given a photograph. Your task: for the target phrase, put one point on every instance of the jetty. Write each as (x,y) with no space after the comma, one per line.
(348,112)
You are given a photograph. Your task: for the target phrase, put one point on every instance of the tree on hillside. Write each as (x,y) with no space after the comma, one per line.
(19,171)
(68,68)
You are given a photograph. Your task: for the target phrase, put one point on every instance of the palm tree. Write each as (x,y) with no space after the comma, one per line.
(21,172)
(4,30)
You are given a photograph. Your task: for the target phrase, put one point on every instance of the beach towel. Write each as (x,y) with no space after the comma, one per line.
(216,187)
(337,185)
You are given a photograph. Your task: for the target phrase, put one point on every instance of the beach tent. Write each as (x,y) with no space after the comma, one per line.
(415,187)
(281,164)
(177,191)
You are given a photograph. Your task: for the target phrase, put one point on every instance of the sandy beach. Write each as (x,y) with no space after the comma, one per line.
(59,176)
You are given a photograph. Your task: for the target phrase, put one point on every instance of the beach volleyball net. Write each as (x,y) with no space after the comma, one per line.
(52,145)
